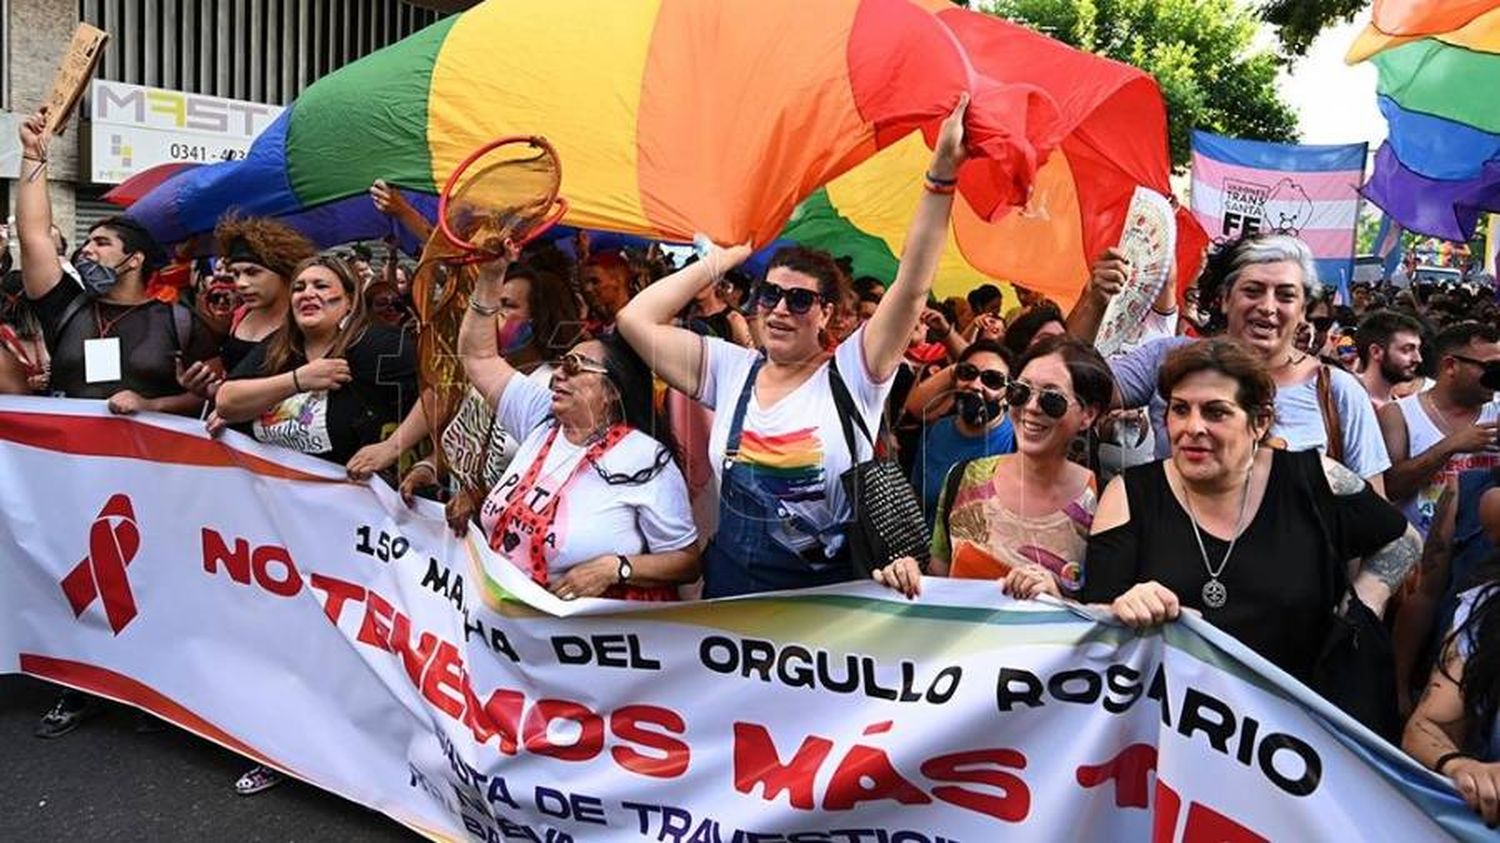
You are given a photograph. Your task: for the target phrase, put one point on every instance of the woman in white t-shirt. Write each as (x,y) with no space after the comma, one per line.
(590,505)
(777,443)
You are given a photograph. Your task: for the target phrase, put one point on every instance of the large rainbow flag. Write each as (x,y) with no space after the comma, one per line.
(1439,63)
(677,116)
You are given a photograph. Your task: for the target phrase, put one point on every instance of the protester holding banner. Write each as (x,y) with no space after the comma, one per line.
(778,441)
(328,382)
(1255,538)
(1023,518)
(1453,730)
(1263,284)
(536,325)
(89,328)
(592,504)
(260,254)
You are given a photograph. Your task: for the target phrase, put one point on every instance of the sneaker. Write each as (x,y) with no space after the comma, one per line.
(258,779)
(71,709)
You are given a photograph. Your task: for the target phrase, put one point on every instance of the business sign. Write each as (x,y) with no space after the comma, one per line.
(136,128)
(257,598)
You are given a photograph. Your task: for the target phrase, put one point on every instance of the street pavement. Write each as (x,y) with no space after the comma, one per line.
(106,781)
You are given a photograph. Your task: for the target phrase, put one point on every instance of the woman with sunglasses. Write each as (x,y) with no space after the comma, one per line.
(329,382)
(537,323)
(777,442)
(592,504)
(1250,536)
(1023,518)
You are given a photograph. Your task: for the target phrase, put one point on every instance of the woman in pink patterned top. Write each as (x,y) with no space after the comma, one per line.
(1024,518)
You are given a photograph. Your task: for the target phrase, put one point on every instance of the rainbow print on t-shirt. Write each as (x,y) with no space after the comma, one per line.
(787,465)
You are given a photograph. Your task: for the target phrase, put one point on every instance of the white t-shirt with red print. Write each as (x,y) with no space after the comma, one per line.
(594,518)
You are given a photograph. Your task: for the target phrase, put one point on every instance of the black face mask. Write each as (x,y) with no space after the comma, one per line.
(97,278)
(975,410)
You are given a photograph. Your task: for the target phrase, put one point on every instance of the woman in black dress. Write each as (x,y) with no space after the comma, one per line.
(1249,536)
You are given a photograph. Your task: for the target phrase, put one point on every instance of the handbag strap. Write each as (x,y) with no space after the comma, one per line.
(849,414)
(1332,427)
(737,421)
(1305,466)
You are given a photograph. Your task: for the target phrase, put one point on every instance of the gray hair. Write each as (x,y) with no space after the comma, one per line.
(1275,248)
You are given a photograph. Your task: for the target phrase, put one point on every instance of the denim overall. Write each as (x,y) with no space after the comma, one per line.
(744,556)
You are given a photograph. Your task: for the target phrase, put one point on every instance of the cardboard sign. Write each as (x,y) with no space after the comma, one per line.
(73,75)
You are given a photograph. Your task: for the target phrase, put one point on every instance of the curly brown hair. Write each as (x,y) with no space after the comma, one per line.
(279,246)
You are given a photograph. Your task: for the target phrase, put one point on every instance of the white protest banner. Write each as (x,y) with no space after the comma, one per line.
(1149,241)
(255,598)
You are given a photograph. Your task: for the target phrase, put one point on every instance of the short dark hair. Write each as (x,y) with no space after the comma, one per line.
(815,264)
(1460,334)
(135,239)
(1093,382)
(983,296)
(989,347)
(1379,327)
(1022,329)
(1255,390)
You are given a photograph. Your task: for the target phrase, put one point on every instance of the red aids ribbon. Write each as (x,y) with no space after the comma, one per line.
(114,539)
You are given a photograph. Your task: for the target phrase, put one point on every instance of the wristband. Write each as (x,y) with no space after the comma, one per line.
(1445,758)
(295,385)
(483,309)
(940,190)
(941,182)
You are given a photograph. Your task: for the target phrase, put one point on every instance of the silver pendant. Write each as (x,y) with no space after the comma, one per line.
(1214,594)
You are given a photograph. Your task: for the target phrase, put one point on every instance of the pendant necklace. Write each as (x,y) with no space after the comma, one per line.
(1215,595)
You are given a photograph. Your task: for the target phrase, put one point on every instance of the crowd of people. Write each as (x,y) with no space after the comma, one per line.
(1280,464)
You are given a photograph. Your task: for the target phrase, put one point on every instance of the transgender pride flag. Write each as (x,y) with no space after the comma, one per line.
(1242,187)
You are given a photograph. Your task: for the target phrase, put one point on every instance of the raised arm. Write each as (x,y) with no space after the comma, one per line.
(1106,279)
(889,330)
(40,270)
(673,353)
(478,346)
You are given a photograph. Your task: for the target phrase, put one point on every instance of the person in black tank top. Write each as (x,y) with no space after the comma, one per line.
(1250,536)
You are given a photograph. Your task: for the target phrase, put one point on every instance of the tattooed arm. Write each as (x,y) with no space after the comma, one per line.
(1383,571)
(1438,728)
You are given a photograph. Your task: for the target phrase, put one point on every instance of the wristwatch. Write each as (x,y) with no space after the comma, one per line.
(626,569)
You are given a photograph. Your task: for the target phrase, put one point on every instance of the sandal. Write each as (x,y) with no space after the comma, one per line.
(258,779)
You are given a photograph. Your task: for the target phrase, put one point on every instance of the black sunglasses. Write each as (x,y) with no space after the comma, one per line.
(1322,323)
(991,378)
(798,299)
(1050,401)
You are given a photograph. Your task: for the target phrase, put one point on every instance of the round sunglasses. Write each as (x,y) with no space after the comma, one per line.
(798,299)
(1052,402)
(991,378)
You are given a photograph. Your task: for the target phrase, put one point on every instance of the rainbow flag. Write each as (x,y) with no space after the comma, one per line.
(672,117)
(1242,187)
(1439,168)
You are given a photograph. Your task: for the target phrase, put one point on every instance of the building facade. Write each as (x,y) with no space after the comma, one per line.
(185,80)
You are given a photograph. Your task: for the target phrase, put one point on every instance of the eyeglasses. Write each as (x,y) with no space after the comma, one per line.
(991,378)
(1483,364)
(386,302)
(1050,401)
(574,364)
(798,300)
(1322,323)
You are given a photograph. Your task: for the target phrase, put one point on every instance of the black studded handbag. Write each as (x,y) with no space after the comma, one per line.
(885,520)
